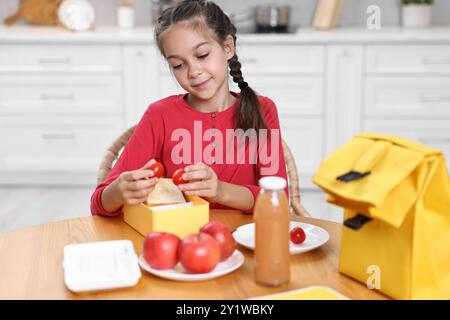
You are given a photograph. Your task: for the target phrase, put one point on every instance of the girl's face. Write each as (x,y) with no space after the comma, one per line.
(198,61)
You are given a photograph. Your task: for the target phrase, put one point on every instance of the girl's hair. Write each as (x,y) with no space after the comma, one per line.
(202,13)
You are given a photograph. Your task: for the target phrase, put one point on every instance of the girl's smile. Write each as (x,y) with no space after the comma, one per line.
(201,85)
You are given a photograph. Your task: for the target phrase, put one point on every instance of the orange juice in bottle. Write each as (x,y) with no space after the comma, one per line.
(271,216)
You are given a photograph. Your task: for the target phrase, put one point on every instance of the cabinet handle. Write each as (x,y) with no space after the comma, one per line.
(434,140)
(58,136)
(435,60)
(57,96)
(55,60)
(434,98)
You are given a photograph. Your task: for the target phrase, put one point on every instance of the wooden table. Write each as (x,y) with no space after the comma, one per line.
(31,264)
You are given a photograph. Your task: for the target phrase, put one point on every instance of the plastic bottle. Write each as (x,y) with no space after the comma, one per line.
(271,218)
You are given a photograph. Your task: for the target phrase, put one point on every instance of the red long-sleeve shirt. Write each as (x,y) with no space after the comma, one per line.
(171,123)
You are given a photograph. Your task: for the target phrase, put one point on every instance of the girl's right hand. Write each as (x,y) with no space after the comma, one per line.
(135,186)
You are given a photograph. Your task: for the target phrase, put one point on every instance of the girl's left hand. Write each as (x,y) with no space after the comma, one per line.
(203,182)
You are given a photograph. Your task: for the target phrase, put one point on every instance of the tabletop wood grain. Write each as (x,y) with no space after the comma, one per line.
(31,264)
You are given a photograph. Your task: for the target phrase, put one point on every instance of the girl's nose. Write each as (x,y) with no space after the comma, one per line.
(194,71)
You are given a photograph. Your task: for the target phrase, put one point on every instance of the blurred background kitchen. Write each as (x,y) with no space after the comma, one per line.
(334,68)
(353,11)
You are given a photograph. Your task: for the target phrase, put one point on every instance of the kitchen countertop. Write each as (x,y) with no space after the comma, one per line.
(144,35)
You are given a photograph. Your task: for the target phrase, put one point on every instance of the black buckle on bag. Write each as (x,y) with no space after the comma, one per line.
(357,221)
(352,175)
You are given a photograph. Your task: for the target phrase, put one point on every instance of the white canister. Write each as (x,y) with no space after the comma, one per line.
(125,17)
(416,15)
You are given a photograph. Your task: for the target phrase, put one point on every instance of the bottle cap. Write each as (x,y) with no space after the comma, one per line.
(272,183)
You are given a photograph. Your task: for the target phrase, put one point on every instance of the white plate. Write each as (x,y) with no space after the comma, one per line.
(180,274)
(315,237)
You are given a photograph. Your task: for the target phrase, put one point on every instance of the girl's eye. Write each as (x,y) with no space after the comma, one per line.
(203,56)
(178,66)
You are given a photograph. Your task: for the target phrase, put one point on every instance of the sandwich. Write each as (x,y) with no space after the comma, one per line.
(165,193)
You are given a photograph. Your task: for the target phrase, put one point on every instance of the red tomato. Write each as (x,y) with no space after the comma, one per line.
(177,177)
(157,168)
(199,253)
(297,235)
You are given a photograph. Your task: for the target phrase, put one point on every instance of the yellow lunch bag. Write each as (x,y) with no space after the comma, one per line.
(396,199)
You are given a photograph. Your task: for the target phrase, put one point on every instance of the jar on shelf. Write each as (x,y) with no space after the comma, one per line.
(125,14)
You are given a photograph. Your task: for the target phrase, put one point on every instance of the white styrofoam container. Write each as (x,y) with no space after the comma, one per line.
(100,265)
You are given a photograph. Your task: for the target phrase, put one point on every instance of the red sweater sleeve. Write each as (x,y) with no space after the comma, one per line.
(148,139)
(277,167)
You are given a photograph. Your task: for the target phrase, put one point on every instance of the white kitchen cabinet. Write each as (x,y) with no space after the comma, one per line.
(55,144)
(61,95)
(293,94)
(60,107)
(58,58)
(343,95)
(282,58)
(140,80)
(408,58)
(424,96)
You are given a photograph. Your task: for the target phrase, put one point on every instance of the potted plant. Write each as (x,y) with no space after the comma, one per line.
(416,13)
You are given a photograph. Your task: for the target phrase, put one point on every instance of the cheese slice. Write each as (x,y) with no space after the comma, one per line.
(165,192)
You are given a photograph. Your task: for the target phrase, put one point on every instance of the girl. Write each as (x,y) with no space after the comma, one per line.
(198,41)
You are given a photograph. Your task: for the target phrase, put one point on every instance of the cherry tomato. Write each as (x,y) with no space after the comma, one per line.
(157,168)
(177,177)
(297,235)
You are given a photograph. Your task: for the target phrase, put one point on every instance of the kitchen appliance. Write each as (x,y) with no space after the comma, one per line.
(272,18)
